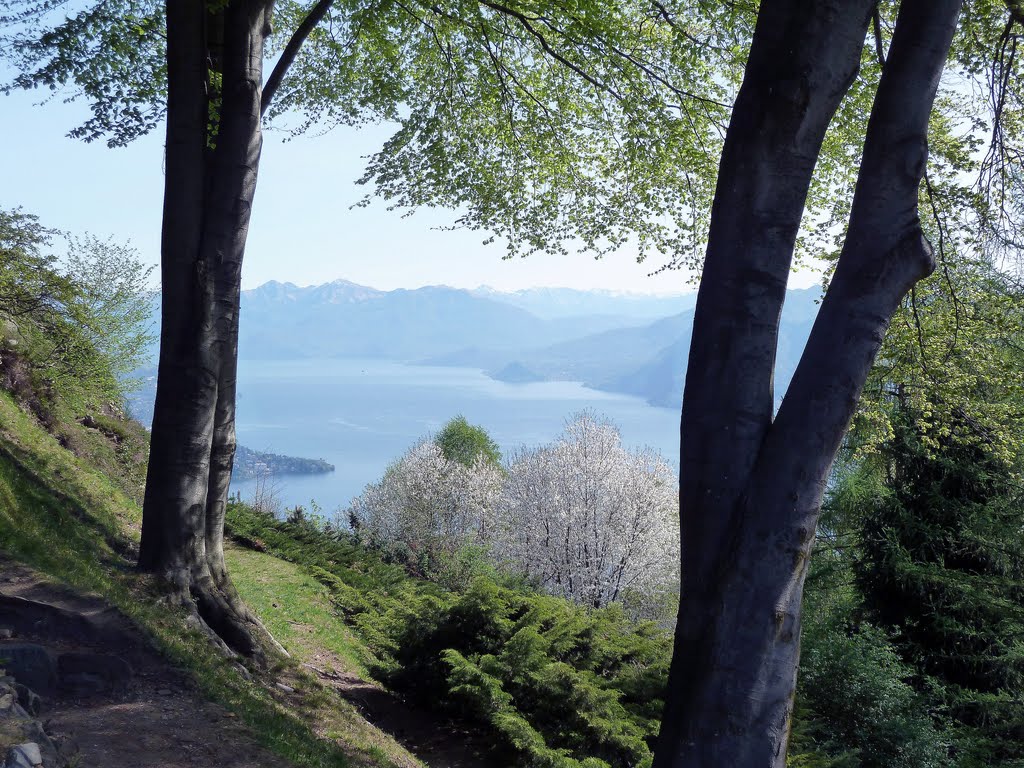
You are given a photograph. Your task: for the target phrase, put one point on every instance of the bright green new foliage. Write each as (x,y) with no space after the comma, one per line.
(77,326)
(466,443)
(591,125)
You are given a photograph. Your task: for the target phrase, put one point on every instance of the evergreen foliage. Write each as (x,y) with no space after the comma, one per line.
(563,685)
(941,566)
(857,705)
(919,552)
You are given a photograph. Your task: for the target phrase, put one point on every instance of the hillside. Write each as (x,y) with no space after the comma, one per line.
(345,615)
(370,638)
(108,669)
(69,515)
(647,361)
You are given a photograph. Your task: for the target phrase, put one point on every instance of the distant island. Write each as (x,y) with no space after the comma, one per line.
(250,464)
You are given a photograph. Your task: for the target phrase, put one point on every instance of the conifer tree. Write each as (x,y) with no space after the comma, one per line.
(941,566)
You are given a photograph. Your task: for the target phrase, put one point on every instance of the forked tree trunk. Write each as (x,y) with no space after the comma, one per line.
(209,188)
(751,484)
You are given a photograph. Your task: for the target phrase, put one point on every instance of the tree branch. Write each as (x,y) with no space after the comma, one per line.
(876,26)
(1016,9)
(526,21)
(884,255)
(292,50)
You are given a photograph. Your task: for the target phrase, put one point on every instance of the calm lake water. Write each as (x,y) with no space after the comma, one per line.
(360,415)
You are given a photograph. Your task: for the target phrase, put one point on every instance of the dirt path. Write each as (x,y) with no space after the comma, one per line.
(315,633)
(435,740)
(159,720)
(155,720)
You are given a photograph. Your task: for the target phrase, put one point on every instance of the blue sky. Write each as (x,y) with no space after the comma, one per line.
(303,228)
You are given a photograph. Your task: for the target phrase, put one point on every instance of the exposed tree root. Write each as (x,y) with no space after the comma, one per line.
(218,612)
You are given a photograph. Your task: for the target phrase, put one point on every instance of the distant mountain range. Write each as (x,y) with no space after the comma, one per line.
(647,361)
(551,303)
(342,319)
(630,343)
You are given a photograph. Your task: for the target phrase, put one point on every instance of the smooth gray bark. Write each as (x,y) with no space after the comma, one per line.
(186,393)
(209,190)
(751,484)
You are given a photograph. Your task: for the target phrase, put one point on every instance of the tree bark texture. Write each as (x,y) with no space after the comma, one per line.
(751,484)
(209,188)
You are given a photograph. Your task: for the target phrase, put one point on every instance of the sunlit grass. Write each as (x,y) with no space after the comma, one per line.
(297,610)
(295,607)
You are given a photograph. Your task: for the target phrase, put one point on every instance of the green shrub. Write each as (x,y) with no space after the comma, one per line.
(857,704)
(560,684)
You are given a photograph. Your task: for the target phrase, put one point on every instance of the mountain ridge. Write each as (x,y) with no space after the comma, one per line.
(623,350)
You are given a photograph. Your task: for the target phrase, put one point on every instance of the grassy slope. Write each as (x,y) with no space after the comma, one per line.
(297,610)
(295,607)
(75,524)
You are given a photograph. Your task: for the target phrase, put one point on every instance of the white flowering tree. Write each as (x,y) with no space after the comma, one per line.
(428,505)
(590,520)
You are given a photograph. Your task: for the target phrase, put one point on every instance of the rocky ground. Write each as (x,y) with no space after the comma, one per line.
(80,687)
(83,688)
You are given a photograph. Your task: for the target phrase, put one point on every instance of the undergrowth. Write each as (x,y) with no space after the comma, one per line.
(558,684)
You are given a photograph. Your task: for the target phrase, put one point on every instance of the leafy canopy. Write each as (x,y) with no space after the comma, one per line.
(594,124)
(467,443)
(551,125)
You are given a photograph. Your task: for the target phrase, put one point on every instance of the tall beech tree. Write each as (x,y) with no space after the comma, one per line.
(752,479)
(596,124)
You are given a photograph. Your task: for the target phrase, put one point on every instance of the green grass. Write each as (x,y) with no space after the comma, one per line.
(296,608)
(76,525)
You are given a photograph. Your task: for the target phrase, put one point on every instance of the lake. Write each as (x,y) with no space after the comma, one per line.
(360,415)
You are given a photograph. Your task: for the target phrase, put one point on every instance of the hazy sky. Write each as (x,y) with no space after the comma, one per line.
(303,227)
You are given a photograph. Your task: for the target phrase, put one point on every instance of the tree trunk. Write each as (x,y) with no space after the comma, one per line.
(209,189)
(186,395)
(751,486)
